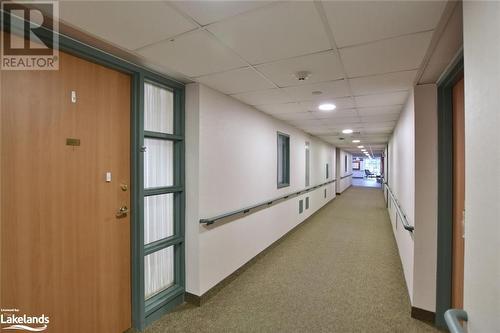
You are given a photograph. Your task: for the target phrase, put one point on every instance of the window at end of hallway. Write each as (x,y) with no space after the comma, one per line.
(283,160)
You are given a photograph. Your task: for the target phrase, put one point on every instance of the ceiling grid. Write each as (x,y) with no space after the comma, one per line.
(362,56)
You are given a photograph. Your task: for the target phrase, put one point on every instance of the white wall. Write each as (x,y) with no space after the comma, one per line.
(482,157)
(235,149)
(426,193)
(401,154)
(344,178)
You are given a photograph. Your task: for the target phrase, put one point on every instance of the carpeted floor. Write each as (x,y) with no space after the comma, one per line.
(337,272)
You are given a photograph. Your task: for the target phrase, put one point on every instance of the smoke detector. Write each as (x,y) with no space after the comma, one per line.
(302,75)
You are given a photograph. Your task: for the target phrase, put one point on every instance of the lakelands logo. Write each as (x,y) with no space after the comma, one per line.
(16,321)
(30,41)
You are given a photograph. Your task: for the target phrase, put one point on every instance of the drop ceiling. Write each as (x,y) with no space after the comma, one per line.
(362,56)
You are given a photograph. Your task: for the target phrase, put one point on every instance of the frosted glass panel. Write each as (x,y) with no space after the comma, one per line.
(158,109)
(158,271)
(158,163)
(158,217)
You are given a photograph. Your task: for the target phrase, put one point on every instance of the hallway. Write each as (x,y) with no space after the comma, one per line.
(337,272)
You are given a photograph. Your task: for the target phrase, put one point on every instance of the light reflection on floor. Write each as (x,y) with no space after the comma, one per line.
(366,182)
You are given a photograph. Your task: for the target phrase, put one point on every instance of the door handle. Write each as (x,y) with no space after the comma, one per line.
(122,212)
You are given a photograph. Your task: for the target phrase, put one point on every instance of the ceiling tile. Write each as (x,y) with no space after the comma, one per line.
(382,83)
(206,12)
(331,89)
(379,118)
(394,98)
(270,33)
(135,24)
(341,103)
(315,130)
(335,113)
(236,81)
(394,109)
(193,54)
(341,120)
(323,66)
(390,55)
(261,97)
(295,116)
(281,108)
(305,122)
(355,22)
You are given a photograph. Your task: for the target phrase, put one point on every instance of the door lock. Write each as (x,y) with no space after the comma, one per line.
(122,212)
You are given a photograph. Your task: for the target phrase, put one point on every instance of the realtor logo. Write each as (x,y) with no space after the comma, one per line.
(11,319)
(30,41)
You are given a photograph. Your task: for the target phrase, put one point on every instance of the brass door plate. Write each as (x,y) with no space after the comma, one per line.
(72,142)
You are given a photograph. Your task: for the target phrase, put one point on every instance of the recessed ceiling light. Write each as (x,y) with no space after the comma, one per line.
(347,131)
(356,141)
(363,150)
(327,107)
(361,146)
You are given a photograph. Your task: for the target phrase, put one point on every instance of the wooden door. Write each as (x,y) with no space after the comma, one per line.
(458,195)
(64,252)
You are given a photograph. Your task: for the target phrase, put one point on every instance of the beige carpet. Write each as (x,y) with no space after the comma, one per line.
(337,272)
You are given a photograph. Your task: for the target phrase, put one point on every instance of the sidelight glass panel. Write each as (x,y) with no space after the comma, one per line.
(283,160)
(158,217)
(308,164)
(158,163)
(158,109)
(158,271)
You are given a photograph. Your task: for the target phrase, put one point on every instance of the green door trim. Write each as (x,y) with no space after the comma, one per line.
(445,189)
(141,314)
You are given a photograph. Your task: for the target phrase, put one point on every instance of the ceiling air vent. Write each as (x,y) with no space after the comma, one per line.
(302,75)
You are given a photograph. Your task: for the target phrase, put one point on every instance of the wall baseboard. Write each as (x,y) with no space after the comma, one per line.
(200,300)
(423,315)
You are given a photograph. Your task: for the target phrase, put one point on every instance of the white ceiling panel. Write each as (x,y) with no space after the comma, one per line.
(335,113)
(295,116)
(378,130)
(134,23)
(341,103)
(394,109)
(379,118)
(193,54)
(394,98)
(315,130)
(323,66)
(281,108)
(206,12)
(261,97)
(236,81)
(356,22)
(275,32)
(331,89)
(341,120)
(305,122)
(390,55)
(382,83)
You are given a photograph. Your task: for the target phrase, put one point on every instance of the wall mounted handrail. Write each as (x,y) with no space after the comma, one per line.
(453,317)
(349,175)
(266,204)
(404,220)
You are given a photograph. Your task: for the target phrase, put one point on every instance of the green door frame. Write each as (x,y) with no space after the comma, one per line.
(445,189)
(142,315)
